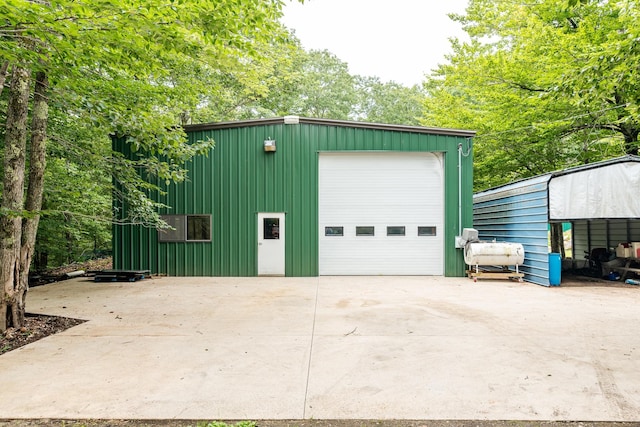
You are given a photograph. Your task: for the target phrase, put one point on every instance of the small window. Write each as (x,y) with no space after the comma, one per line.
(395,230)
(271,228)
(365,231)
(427,231)
(186,228)
(334,231)
(199,227)
(176,232)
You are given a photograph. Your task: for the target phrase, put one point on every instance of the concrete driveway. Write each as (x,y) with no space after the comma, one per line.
(330,348)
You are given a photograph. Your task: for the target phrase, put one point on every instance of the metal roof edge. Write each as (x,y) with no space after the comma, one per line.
(550,175)
(596,165)
(331,122)
(233,124)
(509,188)
(390,127)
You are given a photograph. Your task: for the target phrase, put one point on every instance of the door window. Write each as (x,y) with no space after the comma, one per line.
(271,228)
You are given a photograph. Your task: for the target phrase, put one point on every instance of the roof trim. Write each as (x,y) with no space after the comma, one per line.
(550,175)
(596,165)
(522,186)
(330,122)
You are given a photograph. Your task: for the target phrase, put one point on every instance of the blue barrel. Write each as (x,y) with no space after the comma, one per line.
(555,269)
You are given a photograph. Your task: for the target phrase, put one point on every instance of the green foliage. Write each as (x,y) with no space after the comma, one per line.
(262,87)
(64,234)
(323,88)
(388,102)
(545,85)
(318,84)
(135,70)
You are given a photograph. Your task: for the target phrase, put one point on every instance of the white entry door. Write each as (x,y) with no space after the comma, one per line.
(271,244)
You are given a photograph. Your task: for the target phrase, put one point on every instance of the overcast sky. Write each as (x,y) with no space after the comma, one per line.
(397,40)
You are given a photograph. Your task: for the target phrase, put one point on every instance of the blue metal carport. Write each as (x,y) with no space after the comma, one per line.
(600,200)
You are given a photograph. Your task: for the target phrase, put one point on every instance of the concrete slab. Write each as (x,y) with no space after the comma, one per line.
(330,347)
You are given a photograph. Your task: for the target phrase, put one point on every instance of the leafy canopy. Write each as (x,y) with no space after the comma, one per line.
(546,84)
(135,69)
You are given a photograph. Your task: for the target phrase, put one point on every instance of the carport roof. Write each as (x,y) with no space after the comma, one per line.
(603,163)
(595,194)
(549,175)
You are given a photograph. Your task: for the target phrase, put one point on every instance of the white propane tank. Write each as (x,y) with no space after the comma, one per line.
(493,253)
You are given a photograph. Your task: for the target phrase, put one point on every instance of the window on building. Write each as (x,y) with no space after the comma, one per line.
(365,230)
(199,227)
(271,228)
(186,228)
(426,231)
(334,231)
(395,230)
(176,232)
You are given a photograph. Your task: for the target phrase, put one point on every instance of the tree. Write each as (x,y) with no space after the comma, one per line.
(108,65)
(388,102)
(545,84)
(12,303)
(321,88)
(318,84)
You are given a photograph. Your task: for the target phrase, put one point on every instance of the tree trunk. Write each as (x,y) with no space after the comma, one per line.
(11,310)
(3,75)
(631,142)
(37,162)
(557,239)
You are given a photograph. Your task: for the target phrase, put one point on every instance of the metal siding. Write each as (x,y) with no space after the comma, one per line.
(518,213)
(580,242)
(134,247)
(588,235)
(454,259)
(238,179)
(617,232)
(634,230)
(599,234)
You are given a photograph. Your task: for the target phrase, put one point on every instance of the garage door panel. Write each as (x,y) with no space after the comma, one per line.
(380,190)
(375,257)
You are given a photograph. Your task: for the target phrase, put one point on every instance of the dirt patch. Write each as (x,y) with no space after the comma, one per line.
(575,280)
(90,265)
(36,327)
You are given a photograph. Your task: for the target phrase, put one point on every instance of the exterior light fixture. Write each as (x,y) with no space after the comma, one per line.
(291,120)
(269,145)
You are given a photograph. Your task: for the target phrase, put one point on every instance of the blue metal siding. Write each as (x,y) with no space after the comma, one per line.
(518,213)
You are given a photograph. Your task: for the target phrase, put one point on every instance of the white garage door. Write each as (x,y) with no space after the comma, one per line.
(381,214)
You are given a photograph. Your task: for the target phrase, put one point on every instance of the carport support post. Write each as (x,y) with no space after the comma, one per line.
(557,238)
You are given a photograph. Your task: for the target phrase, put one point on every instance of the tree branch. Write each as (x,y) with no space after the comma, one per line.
(524,86)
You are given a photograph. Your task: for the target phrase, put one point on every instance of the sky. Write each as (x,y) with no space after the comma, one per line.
(397,40)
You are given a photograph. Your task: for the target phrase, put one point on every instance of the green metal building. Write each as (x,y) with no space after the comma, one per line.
(306,197)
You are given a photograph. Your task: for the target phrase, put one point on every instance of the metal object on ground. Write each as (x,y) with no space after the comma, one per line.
(121,275)
(493,253)
(492,260)
(76,273)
